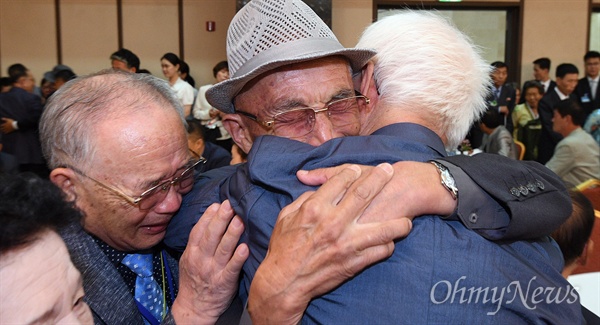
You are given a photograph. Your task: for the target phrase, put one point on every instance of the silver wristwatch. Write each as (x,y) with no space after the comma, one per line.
(447,179)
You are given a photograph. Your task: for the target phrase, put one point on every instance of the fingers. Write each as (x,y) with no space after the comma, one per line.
(381,233)
(334,189)
(365,189)
(207,233)
(319,176)
(229,241)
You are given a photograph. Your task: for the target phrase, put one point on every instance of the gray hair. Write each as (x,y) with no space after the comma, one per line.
(67,124)
(426,65)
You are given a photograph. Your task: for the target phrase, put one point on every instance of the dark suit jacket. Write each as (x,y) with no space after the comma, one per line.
(215,156)
(507,98)
(548,138)
(551,86)
(106,293)
(26,109)
(584,93)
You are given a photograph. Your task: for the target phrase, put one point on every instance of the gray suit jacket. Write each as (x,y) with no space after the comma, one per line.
(105,291)
(576,158)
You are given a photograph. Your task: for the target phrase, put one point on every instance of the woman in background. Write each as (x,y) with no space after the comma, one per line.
(526,118)
(170,64)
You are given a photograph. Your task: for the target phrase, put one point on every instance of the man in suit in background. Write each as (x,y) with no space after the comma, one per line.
(576,158)
(504,94)
(566,81)
(541,73)
(588,89)
(20,112)
(128,179)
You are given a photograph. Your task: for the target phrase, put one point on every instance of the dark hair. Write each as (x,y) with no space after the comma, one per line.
(5,81)
(543,63)
(173,58)
(566,68)
(65,75)
(185,68)
(220,66)
(571,107)
(17,71)
(575,232)
(532,84)
(591,54)
(29,206)
(146,71)
(125,55)
(194,127)
(491,118)
(499,64)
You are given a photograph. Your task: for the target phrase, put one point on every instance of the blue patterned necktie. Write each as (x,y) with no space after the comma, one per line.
(147,290)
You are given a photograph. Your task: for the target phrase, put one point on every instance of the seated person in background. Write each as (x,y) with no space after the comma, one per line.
(496,138)
(208,115)
(39,283)
(184,73)
(526,118)
(215,155)
(592,125)
(125,60)
(573,238)
(577,156)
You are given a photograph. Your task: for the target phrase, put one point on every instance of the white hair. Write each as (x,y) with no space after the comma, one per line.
(426,65)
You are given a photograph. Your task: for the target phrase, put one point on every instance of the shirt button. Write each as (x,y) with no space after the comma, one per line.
(473,217)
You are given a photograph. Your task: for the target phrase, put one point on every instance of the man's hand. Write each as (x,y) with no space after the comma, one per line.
(317,244)
(415,189)
(210,266)
(7,125)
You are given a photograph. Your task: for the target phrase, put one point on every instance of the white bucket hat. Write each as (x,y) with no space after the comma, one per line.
(267,34)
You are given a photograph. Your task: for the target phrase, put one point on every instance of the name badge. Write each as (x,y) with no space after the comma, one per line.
(585,98)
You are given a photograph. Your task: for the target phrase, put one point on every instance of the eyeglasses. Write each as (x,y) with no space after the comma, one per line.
(300,121)
(157,193)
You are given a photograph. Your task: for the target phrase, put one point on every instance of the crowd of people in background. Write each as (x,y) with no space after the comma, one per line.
(188,248)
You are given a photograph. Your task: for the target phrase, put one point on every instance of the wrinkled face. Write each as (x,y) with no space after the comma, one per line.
(309,84)
(223,74)
(40,285)
(168,69)
(567,84)
(592,67)
(533,96)
(120,65)
(133,157)
(499,76)
(540,74)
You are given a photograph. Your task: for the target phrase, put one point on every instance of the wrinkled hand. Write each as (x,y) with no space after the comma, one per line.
(415,190)
(317,244)
(210,266)
(7,125)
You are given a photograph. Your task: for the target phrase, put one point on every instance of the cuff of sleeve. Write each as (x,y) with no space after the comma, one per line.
(475,208)
(15,125)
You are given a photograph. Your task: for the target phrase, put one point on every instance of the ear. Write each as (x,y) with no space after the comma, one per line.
(66,180)
(368,86)
(238,130)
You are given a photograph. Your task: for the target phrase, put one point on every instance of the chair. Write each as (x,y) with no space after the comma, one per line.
(520,149)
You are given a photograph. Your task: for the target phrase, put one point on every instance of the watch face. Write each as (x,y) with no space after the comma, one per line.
(448,179)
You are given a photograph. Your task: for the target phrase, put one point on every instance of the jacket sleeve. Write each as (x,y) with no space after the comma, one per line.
(535,198)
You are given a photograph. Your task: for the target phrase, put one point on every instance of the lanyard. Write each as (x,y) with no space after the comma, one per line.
(145,313)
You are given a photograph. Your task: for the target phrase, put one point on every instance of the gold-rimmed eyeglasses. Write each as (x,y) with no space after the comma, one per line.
(157,193)
(300,121)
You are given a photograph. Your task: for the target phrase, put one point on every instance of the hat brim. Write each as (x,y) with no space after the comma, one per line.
(221,95)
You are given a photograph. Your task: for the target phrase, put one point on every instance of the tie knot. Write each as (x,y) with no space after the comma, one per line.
(140,264)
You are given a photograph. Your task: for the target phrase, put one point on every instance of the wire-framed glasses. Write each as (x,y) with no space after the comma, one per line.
(300,121)
(157,193)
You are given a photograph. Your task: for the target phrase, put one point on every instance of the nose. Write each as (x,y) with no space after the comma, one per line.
(170,204)
(322,131)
